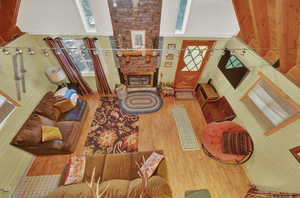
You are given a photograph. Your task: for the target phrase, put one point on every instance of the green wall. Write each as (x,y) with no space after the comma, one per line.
(272,166)
(14,162)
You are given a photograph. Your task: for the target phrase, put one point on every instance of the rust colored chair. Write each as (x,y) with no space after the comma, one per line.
(217,110)
(213,142)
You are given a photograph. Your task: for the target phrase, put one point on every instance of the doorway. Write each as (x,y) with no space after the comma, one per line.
(192,60)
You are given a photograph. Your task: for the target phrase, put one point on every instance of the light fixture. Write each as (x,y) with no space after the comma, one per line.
(45,52)
(119,53)
(58,52)
(19,51)
(5,51)
(31,52)
(115,3)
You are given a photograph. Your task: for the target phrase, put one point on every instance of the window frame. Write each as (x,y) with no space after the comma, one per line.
(11,100)
(185,17)
(284,96)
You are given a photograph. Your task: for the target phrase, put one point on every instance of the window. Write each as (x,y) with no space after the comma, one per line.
(193,57)
(233,69)
(81,58)
(271,107)
(138,39)
(182,16)
(7,106)
(86,15)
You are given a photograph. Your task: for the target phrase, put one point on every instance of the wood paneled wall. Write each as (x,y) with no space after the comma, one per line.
(271,27)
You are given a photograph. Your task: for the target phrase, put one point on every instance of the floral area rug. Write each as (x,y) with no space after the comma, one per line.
(112,130)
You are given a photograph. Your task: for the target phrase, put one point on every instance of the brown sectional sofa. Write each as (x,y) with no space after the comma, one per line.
(121,173)
(29,136)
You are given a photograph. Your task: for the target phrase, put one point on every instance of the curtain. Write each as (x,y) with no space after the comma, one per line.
(68,66)
(101,81)
(270,108)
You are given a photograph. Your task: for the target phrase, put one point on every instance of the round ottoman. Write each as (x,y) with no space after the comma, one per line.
(212,142)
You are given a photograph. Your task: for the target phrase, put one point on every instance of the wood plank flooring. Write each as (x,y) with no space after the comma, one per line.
(188,170)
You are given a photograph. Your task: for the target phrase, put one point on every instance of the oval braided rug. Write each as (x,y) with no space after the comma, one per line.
(140,102)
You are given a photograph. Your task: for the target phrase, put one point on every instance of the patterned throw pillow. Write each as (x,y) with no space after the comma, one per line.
(75,170)
(237,143)
(151,164)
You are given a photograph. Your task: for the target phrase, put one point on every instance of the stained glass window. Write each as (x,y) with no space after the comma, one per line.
(193,57)
(233,62)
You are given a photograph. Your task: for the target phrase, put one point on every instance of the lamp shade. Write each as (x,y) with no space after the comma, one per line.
(55,75)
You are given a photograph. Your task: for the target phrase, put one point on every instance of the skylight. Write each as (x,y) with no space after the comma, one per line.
(86,15)
(182,16)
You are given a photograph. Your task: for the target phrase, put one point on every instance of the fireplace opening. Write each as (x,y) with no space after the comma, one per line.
(139,80)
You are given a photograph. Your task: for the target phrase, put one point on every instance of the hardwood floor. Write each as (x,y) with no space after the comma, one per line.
(188,170)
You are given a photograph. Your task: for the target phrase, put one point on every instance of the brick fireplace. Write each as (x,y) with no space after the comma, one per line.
(127,17)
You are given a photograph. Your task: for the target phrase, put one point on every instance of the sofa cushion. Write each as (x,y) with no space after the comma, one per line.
(93,161)
(66,128)
(31,131)
(157,187)
(72,191)
(46,107)
(76,113)
(115,188)
(118,166)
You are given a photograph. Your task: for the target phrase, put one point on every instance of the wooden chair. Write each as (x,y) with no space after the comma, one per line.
(217,110)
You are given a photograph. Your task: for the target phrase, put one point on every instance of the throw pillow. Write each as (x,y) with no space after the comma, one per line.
(64,105)
(237,143)
(75,170)
(50,133)
(151,164)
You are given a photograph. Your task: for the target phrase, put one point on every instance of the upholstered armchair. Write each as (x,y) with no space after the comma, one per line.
(217,110)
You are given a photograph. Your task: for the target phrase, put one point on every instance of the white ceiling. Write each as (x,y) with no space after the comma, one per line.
(61,17)
(208,18)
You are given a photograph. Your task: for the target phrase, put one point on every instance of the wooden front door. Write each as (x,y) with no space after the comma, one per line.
(192,60)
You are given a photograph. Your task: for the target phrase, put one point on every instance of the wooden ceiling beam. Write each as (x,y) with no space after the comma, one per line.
(259,14)
(243,14)
(8,15)
(289,28)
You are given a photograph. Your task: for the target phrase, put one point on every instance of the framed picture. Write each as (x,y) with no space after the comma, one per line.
(171,46)
(138,39)
(170,57)
(296,153)
(168,64)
